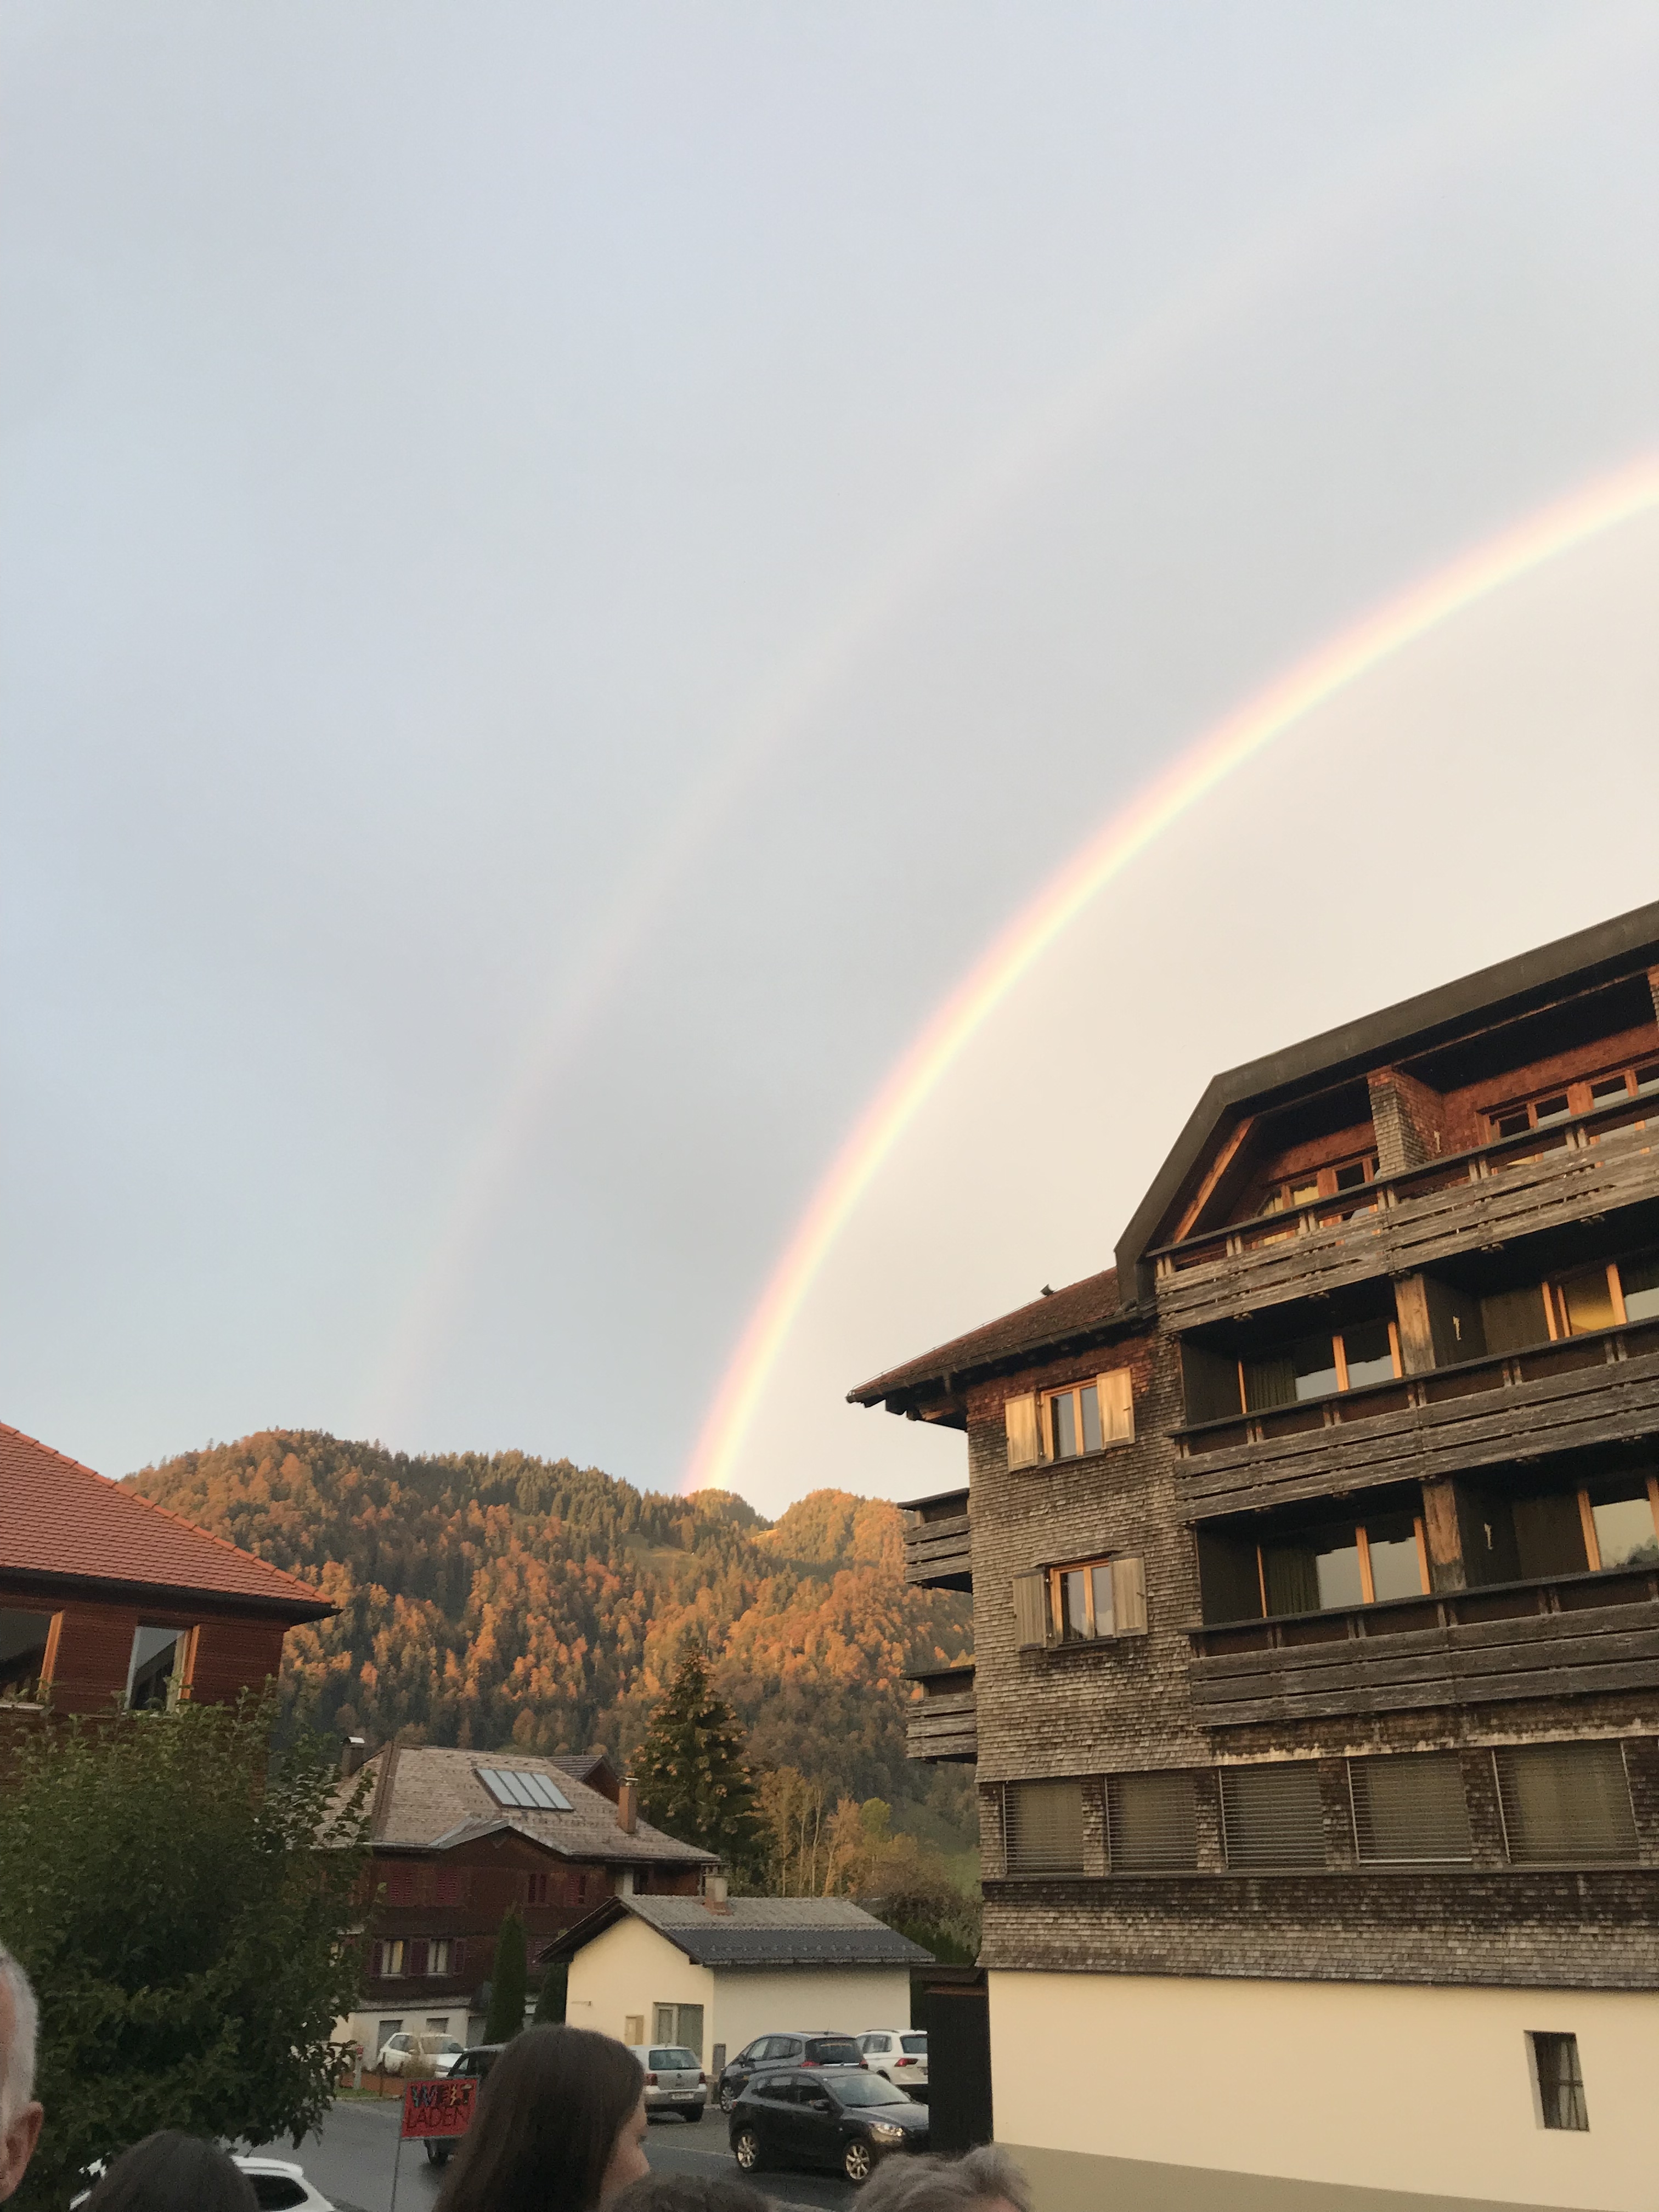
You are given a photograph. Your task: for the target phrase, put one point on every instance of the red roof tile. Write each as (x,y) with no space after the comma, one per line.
(1076,1310)
(57,1517)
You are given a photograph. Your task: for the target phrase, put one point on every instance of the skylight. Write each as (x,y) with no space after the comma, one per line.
(521,1785)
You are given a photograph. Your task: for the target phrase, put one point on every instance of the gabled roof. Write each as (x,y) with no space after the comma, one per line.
(61,1522)
(1082,1313)
(1589,960)
(428,1797)
(755,1931)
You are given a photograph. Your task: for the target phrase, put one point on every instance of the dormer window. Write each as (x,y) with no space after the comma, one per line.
(1552,1107)
(1314,1183)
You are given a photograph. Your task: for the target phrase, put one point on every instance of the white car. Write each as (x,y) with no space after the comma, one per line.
(674,2081)
(403,2053)
(279,2185)
(900,2053)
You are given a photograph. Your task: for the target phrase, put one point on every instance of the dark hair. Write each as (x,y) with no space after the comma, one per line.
(551,2108)
(689,2192)
(171,2172)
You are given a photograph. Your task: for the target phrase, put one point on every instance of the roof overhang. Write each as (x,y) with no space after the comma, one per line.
(173,1597)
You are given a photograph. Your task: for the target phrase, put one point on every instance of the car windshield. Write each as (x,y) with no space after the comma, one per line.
(837,2050)
(915,2045)
(869,2089)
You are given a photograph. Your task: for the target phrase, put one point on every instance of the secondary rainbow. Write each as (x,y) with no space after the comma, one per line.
(1544,537)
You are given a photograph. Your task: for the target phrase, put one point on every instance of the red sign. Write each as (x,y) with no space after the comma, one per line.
(438,2108)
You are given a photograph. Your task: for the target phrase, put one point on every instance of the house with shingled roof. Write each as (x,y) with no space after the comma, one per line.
(107,1598)
(458,1837)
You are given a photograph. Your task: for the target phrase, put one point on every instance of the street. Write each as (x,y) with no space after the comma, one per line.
(351,2159)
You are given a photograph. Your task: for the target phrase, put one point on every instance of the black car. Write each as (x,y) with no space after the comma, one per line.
(476,2062)
(810,2046)
(834,2117)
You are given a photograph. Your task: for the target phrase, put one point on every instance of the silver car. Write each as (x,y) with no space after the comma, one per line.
(900,2053)
(674,2081)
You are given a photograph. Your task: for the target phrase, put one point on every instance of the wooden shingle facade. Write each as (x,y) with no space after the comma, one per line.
(1314,1551)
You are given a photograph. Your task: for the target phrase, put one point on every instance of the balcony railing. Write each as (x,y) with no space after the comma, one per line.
(1572,1636)
(1404,1221)
(942,1725)
(1599,1388)
(937,1555)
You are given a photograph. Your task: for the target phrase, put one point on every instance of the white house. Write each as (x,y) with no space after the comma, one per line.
(713,1974)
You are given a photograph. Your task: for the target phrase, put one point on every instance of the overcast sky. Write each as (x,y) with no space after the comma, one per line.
(566,570)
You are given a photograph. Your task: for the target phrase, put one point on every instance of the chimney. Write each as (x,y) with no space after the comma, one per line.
(714,1893)
(628,1806)
(351,1755)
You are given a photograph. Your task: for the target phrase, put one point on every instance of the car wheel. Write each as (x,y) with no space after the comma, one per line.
(746,2150)
(691,2111)
(856,2162)
(728,2096)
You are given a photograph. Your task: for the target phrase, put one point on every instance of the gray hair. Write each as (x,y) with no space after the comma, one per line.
(17,2051)
(946,2184)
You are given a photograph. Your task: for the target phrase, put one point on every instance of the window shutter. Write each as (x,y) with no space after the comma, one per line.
(418,1955)
(1030,1612)
(1129,1596)
(458,1955)
(1271,1815)
(1151,1821)
(1116,1395)
(1020,1417)
(1043,1826)
(1409,1806)
(1565,1801)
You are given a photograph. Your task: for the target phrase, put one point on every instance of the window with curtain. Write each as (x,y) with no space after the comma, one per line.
(1344,1563)
(1321,1364)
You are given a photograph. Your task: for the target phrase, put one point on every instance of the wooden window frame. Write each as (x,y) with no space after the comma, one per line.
(1339,1361)
(1587,1522)
(1281,1196)
(1576,1091)
(1047,1457)
(1367,1580)
(1056,1598)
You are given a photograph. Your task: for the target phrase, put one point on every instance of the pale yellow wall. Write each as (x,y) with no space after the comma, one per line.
(628,1970)
(631,1968)
(1425,2090)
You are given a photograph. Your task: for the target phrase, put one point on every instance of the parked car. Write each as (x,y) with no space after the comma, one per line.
(279,2185)
(674,2081)
(900,2053)
(476,2062)
(834,2117)
(413,2053)
(811,2047)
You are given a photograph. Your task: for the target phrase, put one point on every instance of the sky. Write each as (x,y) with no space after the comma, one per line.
(567,573)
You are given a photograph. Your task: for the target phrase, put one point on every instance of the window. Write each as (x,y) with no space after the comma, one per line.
(1271,1815)
(523,1785)
(1621,1522)
(155,1671)
(1554,1107)
(678,2023)
(1042,1826)
(1409,1806)
(449,1885)
(1559,2081)
(1086,1416)
(277,2192)
(536,1887)
(389,1964)
(1563,1803)
(1321,1182)
(1081,1604)
(1606,1296)
(1344,1563)
(1151,1822)
(633,2029)
(23,1640)
(1320,1365)
(1598,1528)
(403,1883)
(437,1958)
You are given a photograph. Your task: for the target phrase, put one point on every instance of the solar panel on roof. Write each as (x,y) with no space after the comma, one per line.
(518,1785)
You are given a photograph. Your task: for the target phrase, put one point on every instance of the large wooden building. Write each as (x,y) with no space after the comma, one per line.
(107,1599)
(1314,1551)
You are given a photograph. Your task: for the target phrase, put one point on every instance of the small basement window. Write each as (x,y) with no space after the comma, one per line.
(1558,2079)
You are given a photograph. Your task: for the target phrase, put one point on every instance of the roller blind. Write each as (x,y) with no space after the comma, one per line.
(1042,1826)
(1151,1821)
(1565,1802)
(1129,1596)
(1409,1807)
(1020,1417)
(1271,1815)
(1031,1611)
(1115,1392)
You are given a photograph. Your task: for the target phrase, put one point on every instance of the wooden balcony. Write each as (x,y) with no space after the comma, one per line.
(936,1549)
(1401,1222)
(942,1725)
(1600,1388)
(1570,1638)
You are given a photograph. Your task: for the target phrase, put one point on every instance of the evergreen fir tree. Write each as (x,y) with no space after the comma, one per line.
(507,1982)
(692,1770)
(550,2002)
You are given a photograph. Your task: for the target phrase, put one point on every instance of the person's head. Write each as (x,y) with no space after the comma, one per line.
(172,2171)
(689,2192)
(560,2127)
(20,2116)
(982,2180)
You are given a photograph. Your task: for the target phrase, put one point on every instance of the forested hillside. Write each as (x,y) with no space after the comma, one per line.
(508,1600)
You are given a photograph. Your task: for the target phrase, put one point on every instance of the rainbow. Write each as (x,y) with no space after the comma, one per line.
(1543,537)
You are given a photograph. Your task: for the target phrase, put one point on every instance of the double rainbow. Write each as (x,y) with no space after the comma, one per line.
(1558,529)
